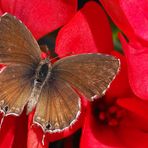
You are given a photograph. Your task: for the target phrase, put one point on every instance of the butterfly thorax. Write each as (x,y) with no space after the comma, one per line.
(42,73)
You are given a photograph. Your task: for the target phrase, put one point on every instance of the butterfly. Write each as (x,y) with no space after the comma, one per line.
(27,80)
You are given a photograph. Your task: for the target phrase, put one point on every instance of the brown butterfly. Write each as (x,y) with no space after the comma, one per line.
(30,81)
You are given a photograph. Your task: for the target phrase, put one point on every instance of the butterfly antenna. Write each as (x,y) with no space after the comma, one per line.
(57,57)
(43,139)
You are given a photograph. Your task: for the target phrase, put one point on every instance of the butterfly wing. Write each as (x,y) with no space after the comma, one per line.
(21,54)
(16,42)
(89,73)
(58,106)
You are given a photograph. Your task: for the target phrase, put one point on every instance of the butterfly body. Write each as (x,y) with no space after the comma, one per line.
(42,74)
(30,81)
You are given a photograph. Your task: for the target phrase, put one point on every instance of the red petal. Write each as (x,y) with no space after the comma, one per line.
(20,139)
(120,85)
(135,105)
(41,17)
(130,16)
(34,137)
(68,142)
(115,11)
(134,129)
(7,132)
(1,12)
(84,33)
(137,62)
(7,6)
(133,137)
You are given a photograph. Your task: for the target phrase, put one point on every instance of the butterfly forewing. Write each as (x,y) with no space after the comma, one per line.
(21,54)
(14,91)
(58,106)
(16,42)
(90,73)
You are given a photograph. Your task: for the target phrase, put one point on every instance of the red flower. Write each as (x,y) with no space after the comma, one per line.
(131,17)
(85,33)
(137,60)
(41,17)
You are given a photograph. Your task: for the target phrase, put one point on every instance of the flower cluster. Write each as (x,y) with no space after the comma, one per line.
(120,118)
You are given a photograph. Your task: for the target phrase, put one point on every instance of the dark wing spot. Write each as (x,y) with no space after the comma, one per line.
(48,126)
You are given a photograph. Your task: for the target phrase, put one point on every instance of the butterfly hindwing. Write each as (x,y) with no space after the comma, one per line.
(58,106)
(15,89)
(20,53)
